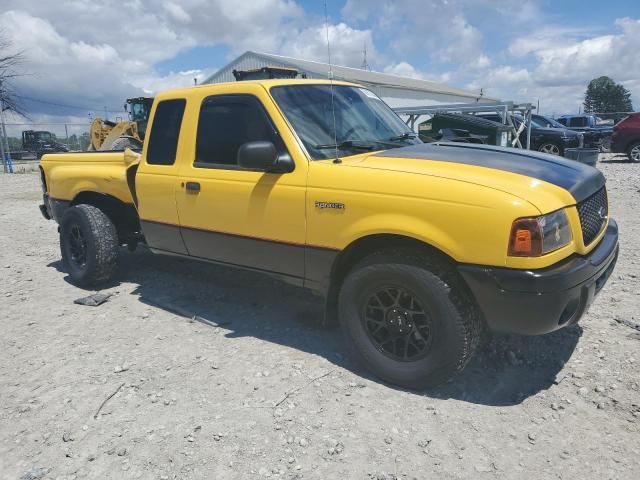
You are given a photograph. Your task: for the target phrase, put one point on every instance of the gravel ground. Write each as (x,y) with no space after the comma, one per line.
(261,391)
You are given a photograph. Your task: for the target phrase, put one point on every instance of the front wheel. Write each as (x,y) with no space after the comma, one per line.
(633,152)
(408,321)
(89,245)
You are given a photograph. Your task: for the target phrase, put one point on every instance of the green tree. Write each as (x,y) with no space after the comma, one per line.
(84,141)
(15,143)
(604,95)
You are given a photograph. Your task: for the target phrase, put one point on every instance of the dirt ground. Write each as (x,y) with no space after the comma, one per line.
(262,391)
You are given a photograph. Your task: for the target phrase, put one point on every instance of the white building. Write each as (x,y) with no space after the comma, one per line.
(394,90)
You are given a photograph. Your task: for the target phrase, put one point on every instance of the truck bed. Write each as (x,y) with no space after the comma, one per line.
(68,174)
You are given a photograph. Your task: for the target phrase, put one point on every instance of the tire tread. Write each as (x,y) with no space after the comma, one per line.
(105,241)
(468,318)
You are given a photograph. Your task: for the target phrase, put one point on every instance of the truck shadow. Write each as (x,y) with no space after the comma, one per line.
(506,371)
(619,158)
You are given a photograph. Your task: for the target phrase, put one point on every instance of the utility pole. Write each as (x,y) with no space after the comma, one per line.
(4,162)
(5,167)
(4,151)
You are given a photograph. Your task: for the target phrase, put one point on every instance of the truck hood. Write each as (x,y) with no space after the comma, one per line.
(580,180)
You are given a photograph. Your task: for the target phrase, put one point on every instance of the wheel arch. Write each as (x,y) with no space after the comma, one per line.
(124,216)
(367,245)
(630,143)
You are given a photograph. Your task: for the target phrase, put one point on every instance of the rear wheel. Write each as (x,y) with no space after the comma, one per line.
(89,245)
(633,152)
(550,148)
(407,319)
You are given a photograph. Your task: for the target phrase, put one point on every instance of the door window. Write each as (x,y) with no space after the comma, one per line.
(227,122)
(165,132)
(578,122)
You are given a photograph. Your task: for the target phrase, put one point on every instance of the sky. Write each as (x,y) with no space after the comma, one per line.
(81,56)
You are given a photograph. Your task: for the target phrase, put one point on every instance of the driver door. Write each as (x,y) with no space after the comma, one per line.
(230,215)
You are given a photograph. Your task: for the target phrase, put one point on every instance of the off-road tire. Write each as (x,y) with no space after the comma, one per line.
(457,321)
(633,152)
(101,244)
(122,143)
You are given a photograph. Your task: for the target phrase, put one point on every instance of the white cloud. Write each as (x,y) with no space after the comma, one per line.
(78,72)
(437,28)
(99,53)
(405,69)
(347,45)
(177,12)
(93,54)
(564,65)
(179,79)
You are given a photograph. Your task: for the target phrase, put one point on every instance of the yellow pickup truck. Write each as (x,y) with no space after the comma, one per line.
(416,247)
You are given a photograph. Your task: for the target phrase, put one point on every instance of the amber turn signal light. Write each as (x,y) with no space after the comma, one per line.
(526,238)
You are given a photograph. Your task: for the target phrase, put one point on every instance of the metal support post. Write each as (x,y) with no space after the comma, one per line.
(7,164)
(528,117)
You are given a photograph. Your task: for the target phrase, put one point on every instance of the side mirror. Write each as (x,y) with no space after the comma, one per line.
(263,156)
(130,157)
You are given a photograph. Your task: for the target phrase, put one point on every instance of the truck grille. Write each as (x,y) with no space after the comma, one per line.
(593,214)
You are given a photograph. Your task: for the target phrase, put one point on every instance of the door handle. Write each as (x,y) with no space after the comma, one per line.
(192,186)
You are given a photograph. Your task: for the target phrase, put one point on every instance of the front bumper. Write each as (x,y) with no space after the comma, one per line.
(535,302)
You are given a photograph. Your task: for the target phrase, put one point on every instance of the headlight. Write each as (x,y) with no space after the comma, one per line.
(535,236)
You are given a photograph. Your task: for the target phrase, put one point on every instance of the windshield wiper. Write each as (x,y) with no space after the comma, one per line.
(403,136)
(347,144)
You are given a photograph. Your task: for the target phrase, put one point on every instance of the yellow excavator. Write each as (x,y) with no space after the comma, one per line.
(105,135)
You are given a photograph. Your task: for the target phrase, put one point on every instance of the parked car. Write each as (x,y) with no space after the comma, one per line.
(465,128)
(416,248)
(626,137)
(545,139)
(591,139)
(597,132)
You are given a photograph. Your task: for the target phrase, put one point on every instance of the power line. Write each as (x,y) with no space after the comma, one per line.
(76,107)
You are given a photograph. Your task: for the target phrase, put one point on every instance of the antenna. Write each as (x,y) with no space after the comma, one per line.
(365,64)
(333,108)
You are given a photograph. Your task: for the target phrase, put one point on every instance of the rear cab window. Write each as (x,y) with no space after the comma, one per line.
(165,132)
(578,122)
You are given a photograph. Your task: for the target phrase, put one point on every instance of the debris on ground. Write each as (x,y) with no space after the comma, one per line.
(93,300)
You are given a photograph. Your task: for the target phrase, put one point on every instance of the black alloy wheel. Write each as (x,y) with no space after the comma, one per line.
(77,246)
(398,324)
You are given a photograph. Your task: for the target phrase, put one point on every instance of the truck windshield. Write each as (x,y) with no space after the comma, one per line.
(362,121)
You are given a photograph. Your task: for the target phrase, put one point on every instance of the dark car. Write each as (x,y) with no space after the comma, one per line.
(626,137)
(597,132)
(553,140)
(590,139)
